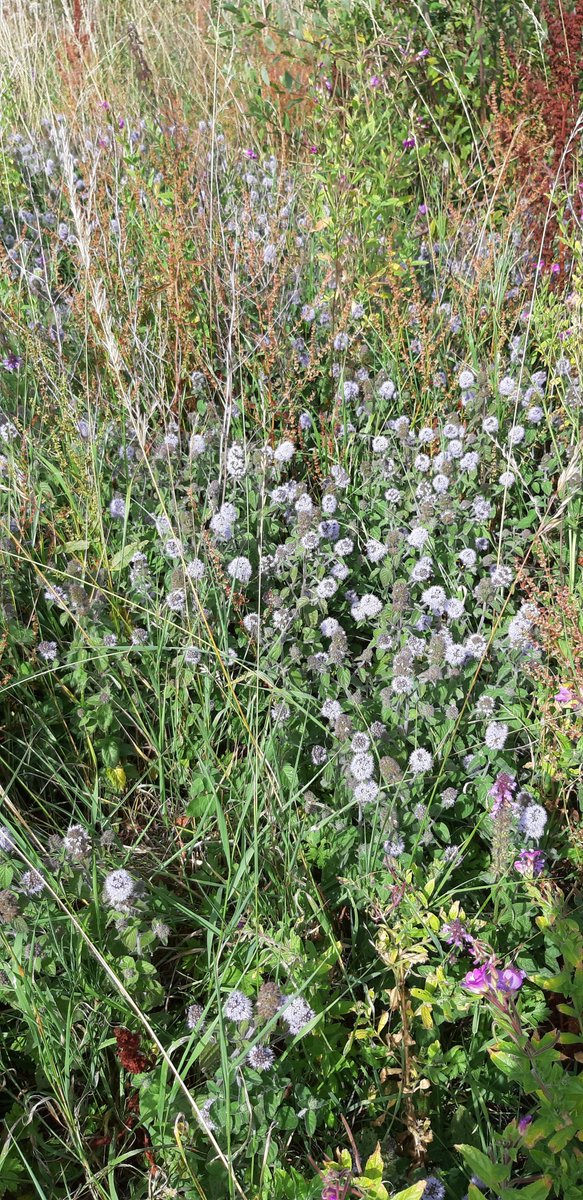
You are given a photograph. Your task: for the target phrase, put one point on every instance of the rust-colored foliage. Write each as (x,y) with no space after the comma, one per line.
(128,1051)
(556,95)
(560,635)
(535,116)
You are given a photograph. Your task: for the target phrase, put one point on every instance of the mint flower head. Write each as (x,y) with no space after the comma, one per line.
(434,1188)
(238,1007)
(118,889)
(297,1014)
(261,1058)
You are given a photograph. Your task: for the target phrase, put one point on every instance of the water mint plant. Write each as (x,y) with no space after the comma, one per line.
(290,483)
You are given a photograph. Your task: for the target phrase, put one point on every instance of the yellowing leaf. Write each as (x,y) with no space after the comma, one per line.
(411,1193)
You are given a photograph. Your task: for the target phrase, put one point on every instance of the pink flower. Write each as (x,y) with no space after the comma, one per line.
(564,696)
(555,268)
(478,980)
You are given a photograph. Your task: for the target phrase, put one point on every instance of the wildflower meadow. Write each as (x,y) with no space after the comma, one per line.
(291,699)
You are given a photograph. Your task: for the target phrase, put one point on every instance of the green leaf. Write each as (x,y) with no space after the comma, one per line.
(411,1193)
(538,1190)
(492,1173)
(371,1181)
(124,556)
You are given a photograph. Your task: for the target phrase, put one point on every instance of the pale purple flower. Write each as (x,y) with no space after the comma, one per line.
(496,735)
(195,569)
(420,761)
(502,792)
(117,508)
(530,863)
(12,362)
(194,1017)
(296,1014)
(367,606)
(532,821)
(238,1007)
(261,1058)
(434,1188)
(6,843)
(118,888)
(240,569)
(176,600)
(362,766)
(47,650)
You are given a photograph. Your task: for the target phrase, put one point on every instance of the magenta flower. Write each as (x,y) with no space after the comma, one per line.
(564,696)
(510,980)
(251,154)
(408,143)
(374,82)
(478,981)
(555,268)
(530,863)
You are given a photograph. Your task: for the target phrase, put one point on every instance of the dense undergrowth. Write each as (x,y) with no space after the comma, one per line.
(292,673)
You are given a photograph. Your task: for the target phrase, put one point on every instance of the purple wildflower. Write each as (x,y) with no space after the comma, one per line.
(455,933)
(12,362)
(478,980)
(530,863)
(502,792)
(510,980)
